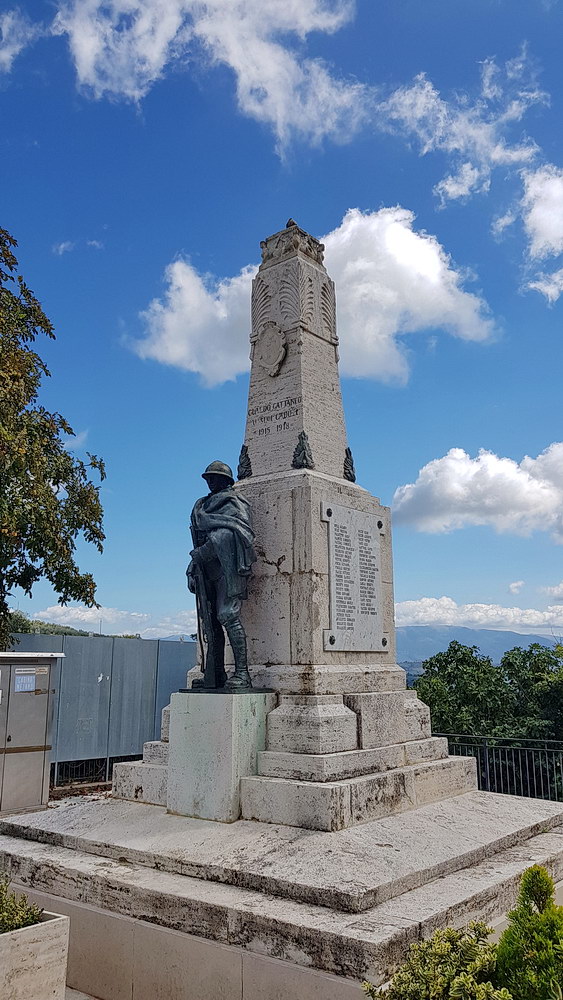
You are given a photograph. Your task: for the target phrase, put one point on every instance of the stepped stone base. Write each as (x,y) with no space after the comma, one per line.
(346,904)
(350,764)
(140,782)
(335,805)
(146,781)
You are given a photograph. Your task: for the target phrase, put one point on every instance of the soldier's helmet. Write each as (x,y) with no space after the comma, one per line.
(219,469)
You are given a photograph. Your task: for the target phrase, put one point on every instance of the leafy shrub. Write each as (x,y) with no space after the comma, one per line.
(530,951)
(452,964)
(15,911)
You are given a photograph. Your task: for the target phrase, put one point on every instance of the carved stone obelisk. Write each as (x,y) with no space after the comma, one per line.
(295,417)
(346,743)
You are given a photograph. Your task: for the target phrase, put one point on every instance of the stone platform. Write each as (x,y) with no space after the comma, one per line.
(346,903)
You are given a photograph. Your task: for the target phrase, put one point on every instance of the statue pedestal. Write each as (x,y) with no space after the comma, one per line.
(214,742)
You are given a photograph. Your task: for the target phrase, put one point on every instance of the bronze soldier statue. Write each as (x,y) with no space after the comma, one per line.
(221,564)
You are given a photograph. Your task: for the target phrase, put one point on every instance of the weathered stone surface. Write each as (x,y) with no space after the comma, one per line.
(306,804)
(311,724)
(389,717)
(288,609)
(380,716)
(214,740)
(337,805)
(294,385)
(332,766)
(328,679)
(155,752)
(437,779)
(350,869)
(434,748)
(165,724)
(417,719)
(140,782)
(339,766)
(367,945)
(33,960)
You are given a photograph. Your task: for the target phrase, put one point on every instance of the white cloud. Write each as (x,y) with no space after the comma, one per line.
(445,611)
(121,47)
(502,222)
(115,621)
(549,285)
(95,244)
(16,33)
(472,133)
(556,591)
(390,279)
(457,490)
(516,587)
(542,210)
(200,325)
(65,247)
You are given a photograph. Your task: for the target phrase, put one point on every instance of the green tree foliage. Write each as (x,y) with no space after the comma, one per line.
(452,964)
(522,696)
(46,497)
(15,911)
(530,951)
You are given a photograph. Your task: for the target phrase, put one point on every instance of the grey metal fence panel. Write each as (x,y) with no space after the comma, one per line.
(513,765)
(133,691)
(84,698)
(31,642)
(174,661)
(109,692)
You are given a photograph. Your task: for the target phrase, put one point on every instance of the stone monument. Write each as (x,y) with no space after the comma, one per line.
(359,835)
(347,742)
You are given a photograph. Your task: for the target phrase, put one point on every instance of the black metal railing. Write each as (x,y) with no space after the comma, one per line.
(97,770)
(513,766)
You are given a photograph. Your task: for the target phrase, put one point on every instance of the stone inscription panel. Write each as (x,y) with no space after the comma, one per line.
(356,617)
(275,417)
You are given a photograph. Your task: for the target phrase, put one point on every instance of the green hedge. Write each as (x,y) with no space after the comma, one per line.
(527,963)
(15,911)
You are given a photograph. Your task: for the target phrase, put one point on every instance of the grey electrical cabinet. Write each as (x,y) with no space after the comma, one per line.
(26,704)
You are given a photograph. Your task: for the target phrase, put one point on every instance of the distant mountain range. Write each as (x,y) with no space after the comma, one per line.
(418,642)
(415,643)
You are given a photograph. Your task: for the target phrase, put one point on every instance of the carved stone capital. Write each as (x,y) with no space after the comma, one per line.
(290,241)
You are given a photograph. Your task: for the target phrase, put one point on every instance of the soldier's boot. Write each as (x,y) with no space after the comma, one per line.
(217,672)
(214,675)
(240,680)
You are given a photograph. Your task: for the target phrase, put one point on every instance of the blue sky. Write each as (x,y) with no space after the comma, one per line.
(148,146)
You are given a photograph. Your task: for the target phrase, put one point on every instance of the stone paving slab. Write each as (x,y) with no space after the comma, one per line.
(350,870)
(367,945)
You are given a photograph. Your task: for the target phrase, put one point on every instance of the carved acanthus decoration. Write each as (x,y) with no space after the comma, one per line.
(261,302)
(328,311)
(307,298)
(289,297)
